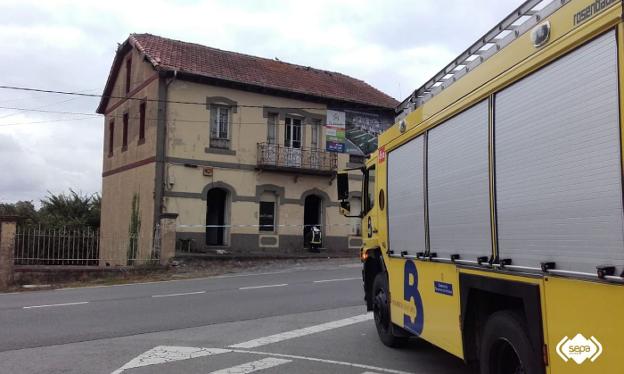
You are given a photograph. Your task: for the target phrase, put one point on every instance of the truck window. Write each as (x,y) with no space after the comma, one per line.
(369,186)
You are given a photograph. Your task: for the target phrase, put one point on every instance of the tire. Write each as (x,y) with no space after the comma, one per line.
(381,312)
(506,347)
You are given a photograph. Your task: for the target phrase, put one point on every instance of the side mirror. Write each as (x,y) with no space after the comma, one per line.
(343,186)
(345,207)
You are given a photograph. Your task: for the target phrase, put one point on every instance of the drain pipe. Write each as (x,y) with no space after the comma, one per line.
(161,142)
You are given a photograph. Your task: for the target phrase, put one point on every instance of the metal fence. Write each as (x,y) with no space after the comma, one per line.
(275,156)
(65,246)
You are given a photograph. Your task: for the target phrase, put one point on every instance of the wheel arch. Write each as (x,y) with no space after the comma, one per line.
(482,296)
(373,265)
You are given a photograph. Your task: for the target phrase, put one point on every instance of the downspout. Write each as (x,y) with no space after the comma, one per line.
(161,143)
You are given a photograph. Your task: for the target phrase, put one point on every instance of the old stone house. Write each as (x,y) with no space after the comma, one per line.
(235,145)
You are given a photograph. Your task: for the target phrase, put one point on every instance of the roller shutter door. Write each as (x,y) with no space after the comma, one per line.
(558,165)
(406,223)
(458,185)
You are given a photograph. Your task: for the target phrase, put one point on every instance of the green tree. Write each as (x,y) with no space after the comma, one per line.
(70,210)
(23,209)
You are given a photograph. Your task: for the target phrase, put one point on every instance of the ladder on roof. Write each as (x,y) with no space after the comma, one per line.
(517,23)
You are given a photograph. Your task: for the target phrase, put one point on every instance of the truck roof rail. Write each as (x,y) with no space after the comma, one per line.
(529,14)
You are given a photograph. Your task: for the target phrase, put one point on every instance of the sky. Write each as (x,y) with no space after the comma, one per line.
(69,45)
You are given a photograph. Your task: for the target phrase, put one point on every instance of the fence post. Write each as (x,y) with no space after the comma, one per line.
(8,225)
(167,237)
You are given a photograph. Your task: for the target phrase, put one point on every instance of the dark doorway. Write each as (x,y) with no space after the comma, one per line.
(312,215)
(215,216)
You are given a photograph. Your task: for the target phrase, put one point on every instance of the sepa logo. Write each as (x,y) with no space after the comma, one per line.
(579,349)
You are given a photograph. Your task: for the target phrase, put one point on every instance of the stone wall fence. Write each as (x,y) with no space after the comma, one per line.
(8,225)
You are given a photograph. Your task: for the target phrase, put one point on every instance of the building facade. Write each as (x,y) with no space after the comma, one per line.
(235,145)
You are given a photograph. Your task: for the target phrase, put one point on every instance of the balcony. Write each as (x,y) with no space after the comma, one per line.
(297,160)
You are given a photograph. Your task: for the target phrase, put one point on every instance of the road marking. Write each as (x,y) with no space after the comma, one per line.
(53,305)
(333,362)
(336,280)
(303,332)
(174,280)
(163,354)
(250,367)
(180,294)
(265,286)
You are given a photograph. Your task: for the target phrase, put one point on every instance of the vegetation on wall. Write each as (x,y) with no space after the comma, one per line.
(134,229)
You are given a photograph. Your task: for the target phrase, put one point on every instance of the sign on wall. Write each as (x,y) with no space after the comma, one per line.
(335,130)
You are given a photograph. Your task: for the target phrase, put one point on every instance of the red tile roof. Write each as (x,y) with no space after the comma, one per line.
(199,60)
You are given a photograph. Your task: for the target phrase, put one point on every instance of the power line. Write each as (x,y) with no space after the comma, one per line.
(40,90)
(95,115)
(46,121)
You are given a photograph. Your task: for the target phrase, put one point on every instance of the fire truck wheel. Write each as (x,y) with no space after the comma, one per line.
(381,312)
(505,346)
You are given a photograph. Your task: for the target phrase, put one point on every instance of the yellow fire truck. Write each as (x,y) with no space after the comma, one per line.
(493,221)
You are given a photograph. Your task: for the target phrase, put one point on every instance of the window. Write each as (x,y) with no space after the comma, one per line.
(124,144)
(221,123)
(128,73)
(369,189)
(219,126)
(267,216)
(316,134)
(292,137)
(142,122)
(111,137)
(356,159)
(272,128)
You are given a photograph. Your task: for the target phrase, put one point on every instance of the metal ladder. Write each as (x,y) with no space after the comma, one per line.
(517,23)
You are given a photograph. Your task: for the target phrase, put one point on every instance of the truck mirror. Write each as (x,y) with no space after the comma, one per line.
(345,207)
(343,186)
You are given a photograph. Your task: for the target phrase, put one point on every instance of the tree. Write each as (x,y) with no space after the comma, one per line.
(70,210)
(23,209)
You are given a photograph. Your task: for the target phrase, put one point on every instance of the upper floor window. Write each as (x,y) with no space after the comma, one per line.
(128,73)
(292,136)
(220,126)
(316,134)
(272,128)
(124,144)
(111,137)
(142,121)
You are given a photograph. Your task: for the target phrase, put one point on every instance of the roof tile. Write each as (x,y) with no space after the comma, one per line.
(195,59)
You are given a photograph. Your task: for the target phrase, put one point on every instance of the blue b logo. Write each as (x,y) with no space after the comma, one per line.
(410,291)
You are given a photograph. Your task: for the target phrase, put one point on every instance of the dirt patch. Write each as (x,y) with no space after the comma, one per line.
(45,278)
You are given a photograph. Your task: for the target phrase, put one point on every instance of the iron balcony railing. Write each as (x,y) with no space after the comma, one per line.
(300,160)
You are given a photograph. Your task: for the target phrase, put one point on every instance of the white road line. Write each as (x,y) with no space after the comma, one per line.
(304,331)
(332,362)
(180,294)
(163,354)
(336,280)
(53,305)
(265,286)
(171,281)
(250,367)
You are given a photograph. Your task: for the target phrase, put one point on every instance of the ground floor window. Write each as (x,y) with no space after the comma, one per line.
(267,216)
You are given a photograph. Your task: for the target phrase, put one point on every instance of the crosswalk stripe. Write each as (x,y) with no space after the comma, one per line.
(250,367)
(302,332)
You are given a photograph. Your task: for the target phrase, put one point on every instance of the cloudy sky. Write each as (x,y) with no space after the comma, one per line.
(70,45)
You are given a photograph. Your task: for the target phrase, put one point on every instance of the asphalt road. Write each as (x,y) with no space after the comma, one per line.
(298,320)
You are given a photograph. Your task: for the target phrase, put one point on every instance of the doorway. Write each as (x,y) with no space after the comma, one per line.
(312,215)
(216,216)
